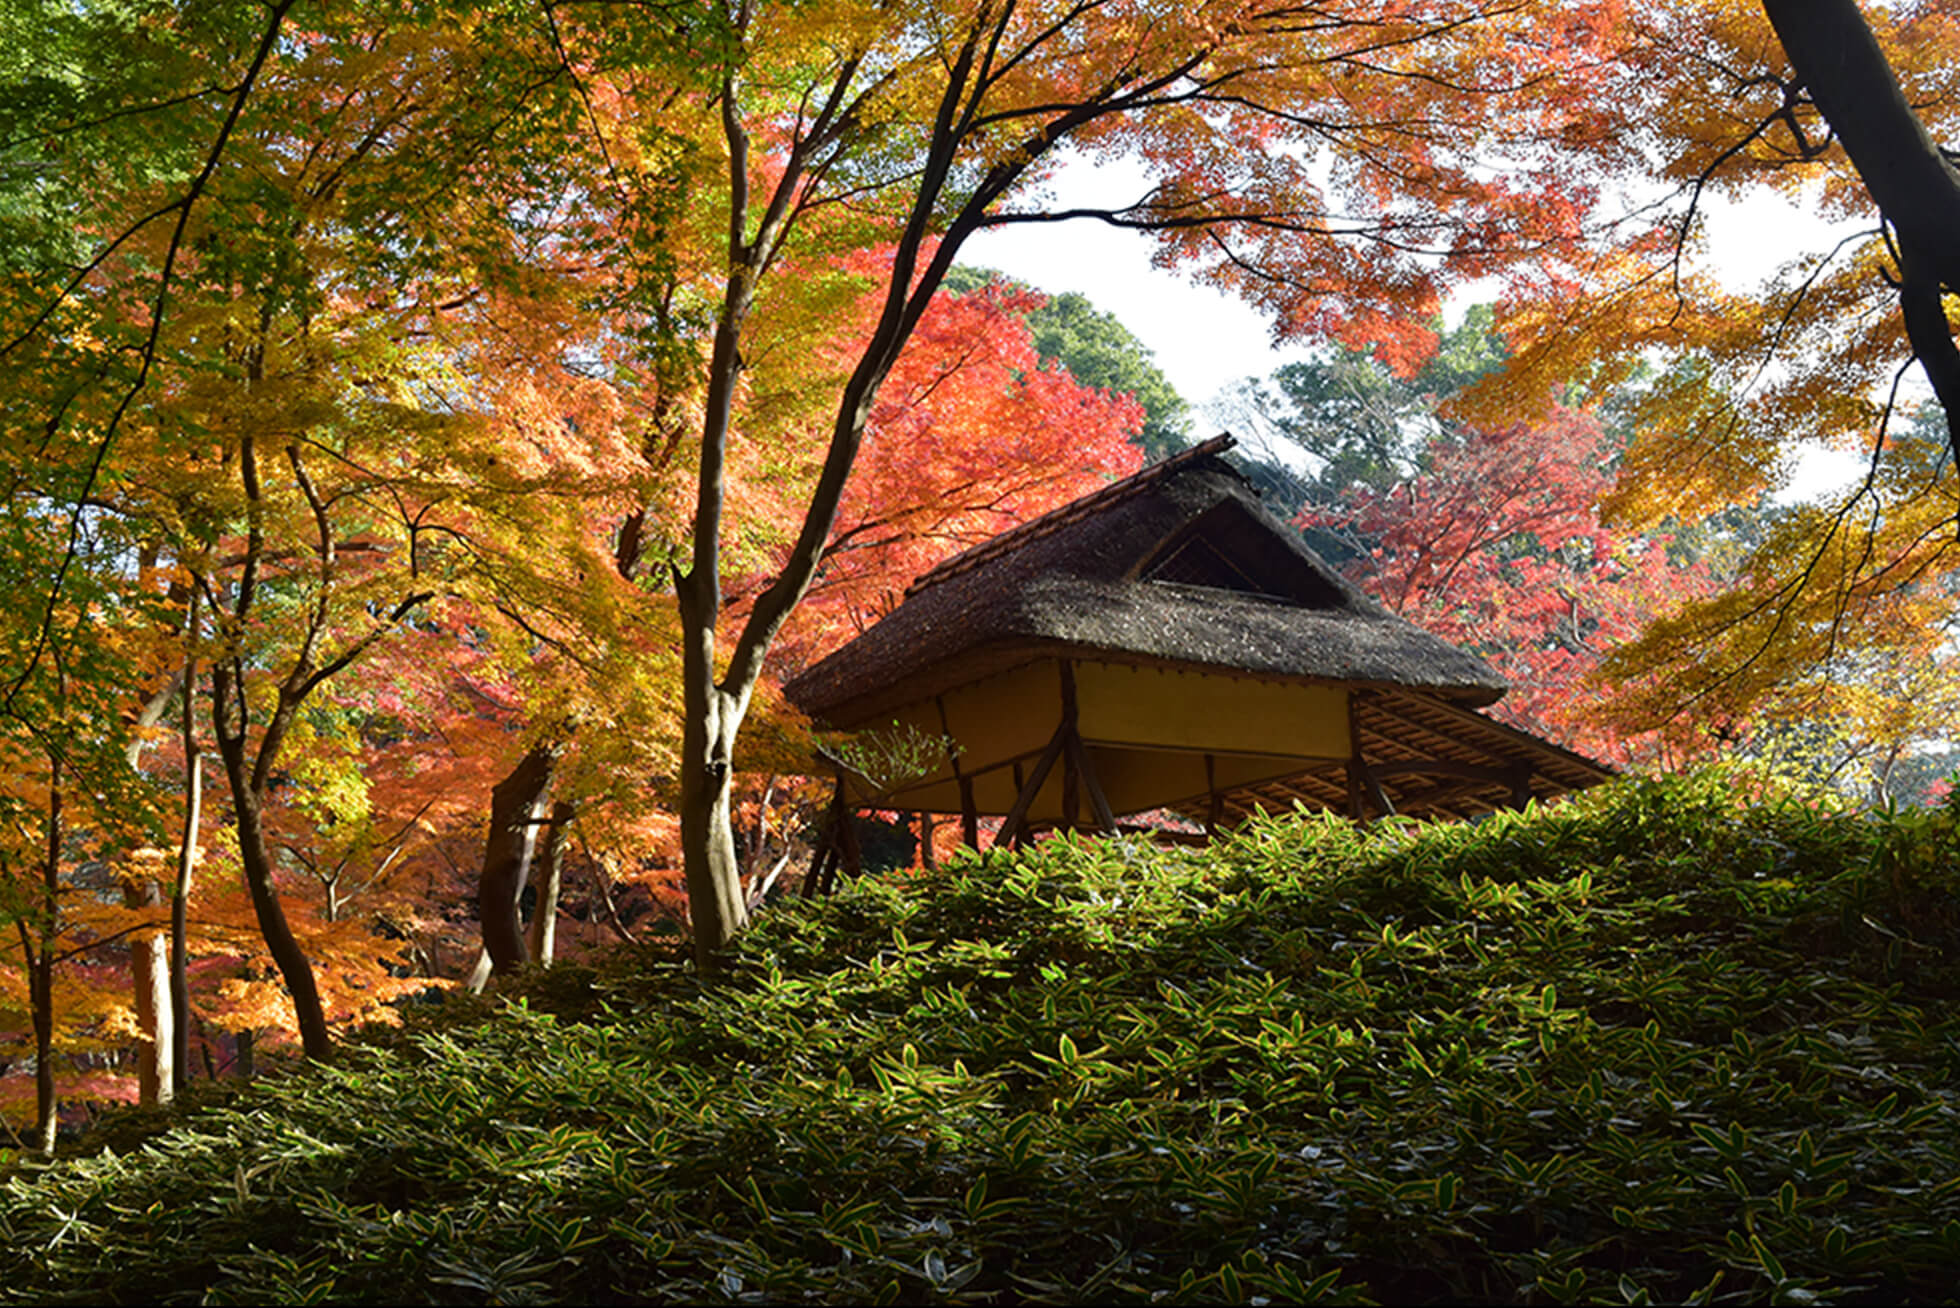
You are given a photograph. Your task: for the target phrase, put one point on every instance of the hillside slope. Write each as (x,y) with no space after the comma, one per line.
(1662,1041)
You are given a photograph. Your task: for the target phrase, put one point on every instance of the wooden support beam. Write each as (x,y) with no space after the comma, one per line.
(1099,802)
(1071,784)
(1215,802)
(1361,777)
(1444,767)
(969,810)
(819,866)
(1071,775)
(1016,822)
(851,858)
(837,848)
(969,815)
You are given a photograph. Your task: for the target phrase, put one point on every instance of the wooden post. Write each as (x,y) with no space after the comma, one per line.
(1071,796)
(1017,817)
(1360,775)
(836,847)
(1099,802)
(819,867)
(969,815)
(1215,807)
(1520,786)
(969,811)
(852,863)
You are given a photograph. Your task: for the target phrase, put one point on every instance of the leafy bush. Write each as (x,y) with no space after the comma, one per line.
(1662,1043)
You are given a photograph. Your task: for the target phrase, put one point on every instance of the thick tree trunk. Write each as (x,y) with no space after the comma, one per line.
(517,811)
(714,873)
(1840,63)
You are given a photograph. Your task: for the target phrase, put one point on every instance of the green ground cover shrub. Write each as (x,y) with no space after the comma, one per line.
(1666,1042)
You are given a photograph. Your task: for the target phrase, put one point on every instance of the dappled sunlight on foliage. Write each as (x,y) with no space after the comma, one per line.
(1667,1038)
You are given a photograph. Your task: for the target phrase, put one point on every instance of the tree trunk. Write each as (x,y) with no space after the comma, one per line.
(149,951)
(517,809)
(40,993)
(149,967)
(713,709)
(714,873)
(1915,185)
(180,894)
(547,877)
(40,973)
(280,941)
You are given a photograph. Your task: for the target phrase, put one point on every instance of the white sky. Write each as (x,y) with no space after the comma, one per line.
(1205,340)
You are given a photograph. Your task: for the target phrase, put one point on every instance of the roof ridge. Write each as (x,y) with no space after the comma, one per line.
(1074,511)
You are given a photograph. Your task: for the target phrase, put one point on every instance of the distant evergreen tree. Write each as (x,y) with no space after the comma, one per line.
(1317,431)
(1098,350)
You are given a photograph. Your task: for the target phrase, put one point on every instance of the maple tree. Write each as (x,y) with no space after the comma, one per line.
(554,357)
(1489,538)
(1834,638)
(1841,109)
(972,433)
(916,126)
(314,427)
(1496,545)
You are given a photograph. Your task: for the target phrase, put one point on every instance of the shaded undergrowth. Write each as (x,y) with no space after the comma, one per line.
(1662,1042)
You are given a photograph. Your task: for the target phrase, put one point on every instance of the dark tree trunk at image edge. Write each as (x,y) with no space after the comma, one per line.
(1916,187)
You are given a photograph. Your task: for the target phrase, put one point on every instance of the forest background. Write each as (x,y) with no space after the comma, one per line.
(443,426)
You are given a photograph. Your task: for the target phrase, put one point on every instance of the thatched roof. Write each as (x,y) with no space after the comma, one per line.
(1177,566)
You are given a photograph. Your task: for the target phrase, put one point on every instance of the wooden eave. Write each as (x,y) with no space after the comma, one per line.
(1430,759)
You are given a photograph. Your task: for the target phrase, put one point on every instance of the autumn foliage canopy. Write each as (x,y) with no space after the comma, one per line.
(436,428)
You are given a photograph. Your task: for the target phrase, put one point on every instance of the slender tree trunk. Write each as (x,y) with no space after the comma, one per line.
(149,950)
(40,976)
(256,859)
(713,708)
(517,809)
(547,878)
(149,966)
(180,894)
(180,891)
(40,1008)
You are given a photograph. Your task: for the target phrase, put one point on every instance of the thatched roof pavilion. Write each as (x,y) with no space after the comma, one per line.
(1172,645)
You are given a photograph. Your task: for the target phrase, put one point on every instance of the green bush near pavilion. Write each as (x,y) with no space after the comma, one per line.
(1676,1040)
